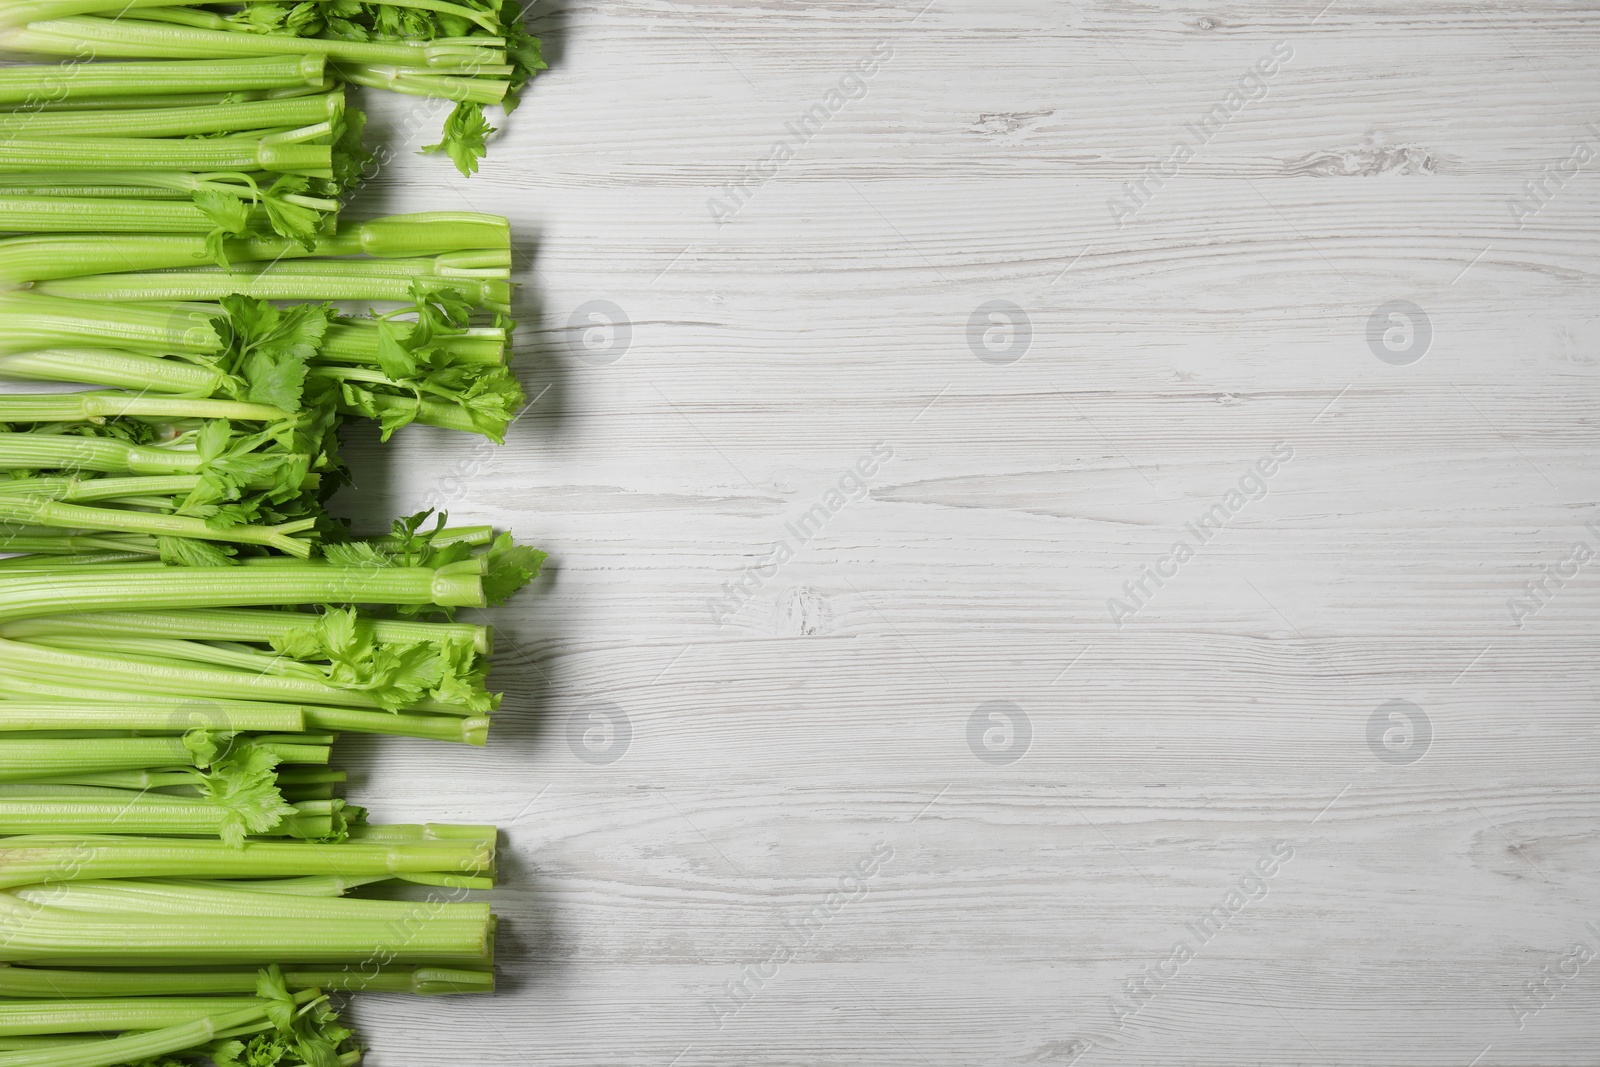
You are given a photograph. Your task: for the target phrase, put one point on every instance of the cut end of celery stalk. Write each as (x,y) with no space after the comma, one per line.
(433,232)
(456,587)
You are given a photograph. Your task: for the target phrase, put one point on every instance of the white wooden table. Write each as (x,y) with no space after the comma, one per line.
(1332,269)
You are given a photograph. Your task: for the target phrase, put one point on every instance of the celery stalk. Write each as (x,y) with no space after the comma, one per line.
(20,981)
(139,1045)
(35,259)
(128,38)
(31,84)
(292,582)
(133,813)
(57,858)
(30,153)
(83,407)
(234,624)
(106,366)
(354,280)
(88,1016)
(65,214)
(177,122)
(22,758)
(161,716)
(55,513)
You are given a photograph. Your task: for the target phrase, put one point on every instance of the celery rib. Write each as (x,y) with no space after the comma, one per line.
(56,858)
(180,121)
(128,38)
(239,624)
(42,982)
(91,589)
(35,83)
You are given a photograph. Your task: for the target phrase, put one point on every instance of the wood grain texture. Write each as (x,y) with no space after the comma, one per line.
(771,747)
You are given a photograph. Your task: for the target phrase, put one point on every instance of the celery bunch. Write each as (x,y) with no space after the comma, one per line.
(181,877)
(185,629)
(472,52)
(220,434)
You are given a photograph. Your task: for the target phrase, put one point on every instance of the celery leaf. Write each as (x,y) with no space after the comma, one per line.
(511,566)
(465,137)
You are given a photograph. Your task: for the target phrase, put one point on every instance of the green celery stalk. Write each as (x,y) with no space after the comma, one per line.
(155,897)
(425,81)
(111,1013)
(35,321)
(295,111)
(58,935)
(128,38)
(165,204)
(66,214)
(167,650)
(19,12)
(136,1046)
(20,981)
(26,451)
(32,85)
(454,881)
(307,776)
(78,558)
(71,559)
(237,624)
(143,675)
(37,185)
(149,813)
(74,547)
(444,415)
(492,264)
(50,512)
(59,858)
(429,233)
(353,280)
(105,366)
(450,535)
(138,781)
(84,407)
(446,832)
(113,488)
(292,753)
(46,564)
(288,582)
(466,730)
(106,102)
(309,886)
(22,759)
(452,727)
(356,341)
(28,153)
(164,491)
(35,259)
(162,716)
(483,19)
(64,791)
(177,11)
(160,184)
